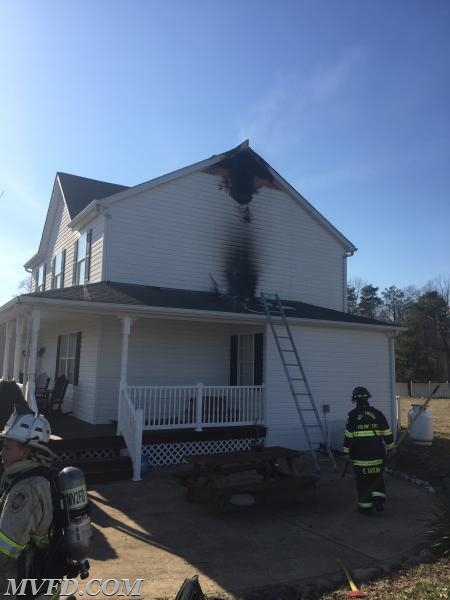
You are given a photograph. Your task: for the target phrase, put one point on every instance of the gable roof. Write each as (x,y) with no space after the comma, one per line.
(79,191)
(261,170)
(128,294)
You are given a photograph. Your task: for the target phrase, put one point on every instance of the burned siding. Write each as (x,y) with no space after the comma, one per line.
(242,175)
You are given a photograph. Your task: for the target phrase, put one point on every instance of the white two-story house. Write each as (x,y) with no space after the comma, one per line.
(145,298)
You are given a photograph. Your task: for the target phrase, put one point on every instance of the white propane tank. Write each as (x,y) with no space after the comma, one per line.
(420,427)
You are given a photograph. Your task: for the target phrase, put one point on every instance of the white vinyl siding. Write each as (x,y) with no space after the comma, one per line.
(79,398)
(178,235)
(335,361)
(162,352)
(95,270)
(60,238)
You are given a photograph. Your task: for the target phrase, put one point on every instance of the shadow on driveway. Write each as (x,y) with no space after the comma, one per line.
(148,530)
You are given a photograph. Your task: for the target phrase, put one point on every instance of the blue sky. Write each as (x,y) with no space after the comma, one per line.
(349,101)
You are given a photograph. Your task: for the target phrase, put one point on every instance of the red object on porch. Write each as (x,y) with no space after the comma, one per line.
(215,409)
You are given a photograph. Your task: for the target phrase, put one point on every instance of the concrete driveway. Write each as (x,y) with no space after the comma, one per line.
(148,530)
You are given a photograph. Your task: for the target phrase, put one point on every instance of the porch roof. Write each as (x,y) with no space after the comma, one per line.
(126,294)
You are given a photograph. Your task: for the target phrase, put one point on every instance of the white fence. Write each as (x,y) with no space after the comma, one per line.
(182,406)
(198,406)
(422,390)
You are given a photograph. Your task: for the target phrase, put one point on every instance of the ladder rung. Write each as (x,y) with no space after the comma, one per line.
(284,337)
(296,379)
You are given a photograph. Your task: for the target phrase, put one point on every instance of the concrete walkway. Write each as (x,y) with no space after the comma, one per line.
(148,530)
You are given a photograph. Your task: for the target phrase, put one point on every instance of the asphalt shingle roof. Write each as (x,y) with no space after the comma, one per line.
(111,292)
(80,191)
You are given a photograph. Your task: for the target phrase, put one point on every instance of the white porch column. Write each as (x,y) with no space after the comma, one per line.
(126,330)
(6,374)
(35,325)
(20,326)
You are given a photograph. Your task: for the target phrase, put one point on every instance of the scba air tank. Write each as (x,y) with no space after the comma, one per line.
(420,425)
(78,529)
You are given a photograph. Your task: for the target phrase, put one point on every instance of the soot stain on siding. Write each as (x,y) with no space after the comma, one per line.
(242,176)
(240,267)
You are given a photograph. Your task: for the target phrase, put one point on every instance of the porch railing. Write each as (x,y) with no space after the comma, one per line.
(130,425)
(198,406)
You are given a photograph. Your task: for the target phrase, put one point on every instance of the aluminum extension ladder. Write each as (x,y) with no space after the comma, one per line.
(298,383)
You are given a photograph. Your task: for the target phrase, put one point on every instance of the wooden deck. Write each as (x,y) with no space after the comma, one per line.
(102,454)
(68,427)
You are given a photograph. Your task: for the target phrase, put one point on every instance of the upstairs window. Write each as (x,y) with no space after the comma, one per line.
(82,258)
(68,356)
(58,265)
(40,278)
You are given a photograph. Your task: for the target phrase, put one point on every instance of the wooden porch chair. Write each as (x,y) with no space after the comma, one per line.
(54,397)
(41,383)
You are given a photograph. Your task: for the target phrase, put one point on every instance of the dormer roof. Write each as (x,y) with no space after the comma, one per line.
(79,191)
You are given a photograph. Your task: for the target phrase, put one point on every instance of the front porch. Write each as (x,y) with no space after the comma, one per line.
(110,360)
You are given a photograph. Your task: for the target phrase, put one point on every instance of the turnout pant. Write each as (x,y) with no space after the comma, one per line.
(370,487)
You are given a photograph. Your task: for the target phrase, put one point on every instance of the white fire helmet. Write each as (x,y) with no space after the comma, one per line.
(31,429)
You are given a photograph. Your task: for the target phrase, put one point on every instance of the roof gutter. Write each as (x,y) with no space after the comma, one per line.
(87,214)
(186,314)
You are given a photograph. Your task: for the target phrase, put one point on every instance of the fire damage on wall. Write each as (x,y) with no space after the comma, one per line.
(243,173)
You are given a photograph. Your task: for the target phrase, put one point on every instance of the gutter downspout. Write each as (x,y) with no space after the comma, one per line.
(344,278)
(395,416)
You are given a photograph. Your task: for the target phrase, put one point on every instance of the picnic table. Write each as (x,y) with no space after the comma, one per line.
(213,477)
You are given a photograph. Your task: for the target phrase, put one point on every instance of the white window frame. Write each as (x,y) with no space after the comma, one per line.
(81,260)
(67,355)
(40,278)
(58,276)
(81,270)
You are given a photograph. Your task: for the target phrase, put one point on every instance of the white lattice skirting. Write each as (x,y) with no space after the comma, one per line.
(174,452)
(86,454)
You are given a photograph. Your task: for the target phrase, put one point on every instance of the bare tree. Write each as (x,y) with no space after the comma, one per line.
(441,285)
(26,285)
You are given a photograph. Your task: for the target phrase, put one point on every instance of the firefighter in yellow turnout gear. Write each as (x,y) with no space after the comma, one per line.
(26,506)
(368,438)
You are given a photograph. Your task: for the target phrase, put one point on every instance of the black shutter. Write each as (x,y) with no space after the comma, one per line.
(63,266)
(53,274)
(258,372)
(44,275)
(58,352)
(87,269)
(77,359)
(233,359)
(74,263)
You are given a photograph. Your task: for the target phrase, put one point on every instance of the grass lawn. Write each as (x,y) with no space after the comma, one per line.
(430,463)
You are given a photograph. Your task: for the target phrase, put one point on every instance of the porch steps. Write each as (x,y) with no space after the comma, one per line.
(104,471)
(98,457)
